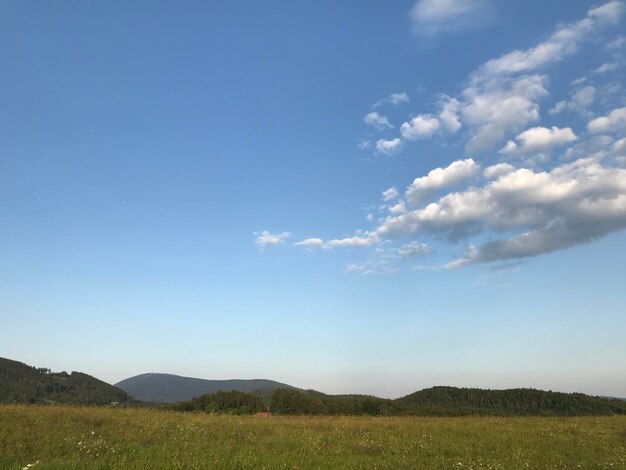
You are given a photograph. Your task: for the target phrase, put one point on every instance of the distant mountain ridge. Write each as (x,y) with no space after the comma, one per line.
(167,388)
(21,383)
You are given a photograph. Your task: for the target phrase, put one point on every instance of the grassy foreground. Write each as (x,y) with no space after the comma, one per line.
(67,438)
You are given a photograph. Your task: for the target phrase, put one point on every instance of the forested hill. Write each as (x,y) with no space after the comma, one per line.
(448,401)
(21,383)
(166,388)
(519,401)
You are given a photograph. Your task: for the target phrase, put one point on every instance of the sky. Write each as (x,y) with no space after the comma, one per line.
(356,198)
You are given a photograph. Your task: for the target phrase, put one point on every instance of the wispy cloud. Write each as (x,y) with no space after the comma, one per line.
(430,17)
(393,99)
(580,102)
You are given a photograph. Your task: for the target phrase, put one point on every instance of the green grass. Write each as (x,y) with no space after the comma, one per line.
(71,438)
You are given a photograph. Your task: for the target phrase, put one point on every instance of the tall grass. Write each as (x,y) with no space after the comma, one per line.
(72,438)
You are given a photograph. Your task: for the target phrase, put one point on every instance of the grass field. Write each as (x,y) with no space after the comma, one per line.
(70,438)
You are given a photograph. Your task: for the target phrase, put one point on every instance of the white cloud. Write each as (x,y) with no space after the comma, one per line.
(394,99)
(543,211)
(619,148)
(364,144)
(356,241)
(398,98)
(433,16)
(371,267)
(613,121)
(538,139)
(449,114)
(414,249)
(563,42)
(581,101)
(377,121)
(497,170)
(311,243)
(606,67)
(348,242)
(495,109)
(593,146)
(502,98)
(390,194)
(398,208)
(527,212)
(440,177)
(267,240)
(389,147)
(421,126)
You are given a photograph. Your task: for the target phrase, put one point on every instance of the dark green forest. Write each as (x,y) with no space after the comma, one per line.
(448,401)
(20,383)
(233,402)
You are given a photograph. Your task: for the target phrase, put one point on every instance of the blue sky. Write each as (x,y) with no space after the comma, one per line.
(370,198)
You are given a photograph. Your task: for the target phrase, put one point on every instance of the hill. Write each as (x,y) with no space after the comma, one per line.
(448,401)
(21,383)
(167,388)
(518,402)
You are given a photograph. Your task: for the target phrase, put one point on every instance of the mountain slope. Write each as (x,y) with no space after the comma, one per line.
(167,388)
(21,383)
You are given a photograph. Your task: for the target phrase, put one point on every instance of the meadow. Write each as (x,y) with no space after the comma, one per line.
(62,437)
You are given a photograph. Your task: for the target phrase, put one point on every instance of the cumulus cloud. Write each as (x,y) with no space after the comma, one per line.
(398,208)
(267,240)
(538,139)
(523,212)
(502,95)
(494,109)
(619,148)
(545,211)
(613,121)
(454,173)
(593,146)
(389,147)
(449,114)
(433,16)
(377,121)
(420,127)
(499,169)
(390,194)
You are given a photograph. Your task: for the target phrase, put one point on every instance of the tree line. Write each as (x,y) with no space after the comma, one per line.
(436,401)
